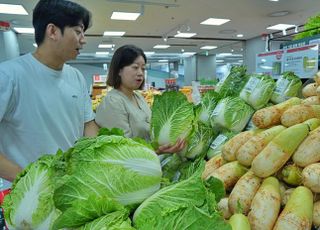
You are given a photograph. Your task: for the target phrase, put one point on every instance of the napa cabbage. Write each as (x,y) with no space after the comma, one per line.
(30,204)
(198,144)
(95,213)
(231,113)
(113,166)
(208,102)
(172,118)
(233,83)
(287,86)
(189,204)
(258,90)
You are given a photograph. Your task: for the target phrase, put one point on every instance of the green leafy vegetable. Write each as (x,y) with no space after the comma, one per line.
(112,166)
(208,102)
(188,204)
(114,221)
(233,83)
(198,144)
(82,213)
(231,113)
(312,27)
(287,86)
(172,118)
(218,142)
(30,203)
(258,90)
(113,131)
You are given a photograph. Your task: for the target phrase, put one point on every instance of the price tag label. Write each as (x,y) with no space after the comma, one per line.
(252,84)
(221,139)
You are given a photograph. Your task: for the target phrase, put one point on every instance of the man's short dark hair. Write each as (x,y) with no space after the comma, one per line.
(61,13)
(124,56)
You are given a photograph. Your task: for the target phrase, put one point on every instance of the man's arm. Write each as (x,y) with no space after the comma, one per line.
(91,129)
(8,169)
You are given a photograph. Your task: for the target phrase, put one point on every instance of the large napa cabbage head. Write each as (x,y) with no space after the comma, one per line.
(172,118)
(113,166)
(30,203)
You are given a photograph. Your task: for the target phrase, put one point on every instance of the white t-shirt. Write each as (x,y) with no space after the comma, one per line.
(41,109)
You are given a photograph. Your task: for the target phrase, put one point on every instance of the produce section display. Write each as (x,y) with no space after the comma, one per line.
(271,173)
(229,176)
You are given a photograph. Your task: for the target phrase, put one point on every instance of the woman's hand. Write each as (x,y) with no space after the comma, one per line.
(177,147)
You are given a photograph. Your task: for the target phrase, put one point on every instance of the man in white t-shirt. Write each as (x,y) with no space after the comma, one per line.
(44,103)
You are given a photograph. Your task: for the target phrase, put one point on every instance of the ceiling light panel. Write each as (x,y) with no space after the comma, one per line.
(149,53)
(208,47)
(12,9)
(224,54)
(187,54)
(215,21)
(161,46)
(102,53)
(107,46)
(22,30)
(280,27)
(124,16)
(185,35)
(114,33)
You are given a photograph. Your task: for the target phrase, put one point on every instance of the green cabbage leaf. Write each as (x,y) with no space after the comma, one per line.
(258,90)
(172,118)
(231,113)
(30,204)
(287,86)
(189,204)
(112,166)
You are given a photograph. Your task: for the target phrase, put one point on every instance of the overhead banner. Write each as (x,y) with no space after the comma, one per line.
(303,61)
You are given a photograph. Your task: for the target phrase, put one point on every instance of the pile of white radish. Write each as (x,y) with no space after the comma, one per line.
(272,174)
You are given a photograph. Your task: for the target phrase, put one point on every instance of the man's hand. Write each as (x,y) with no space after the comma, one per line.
(177,147)
(8,169)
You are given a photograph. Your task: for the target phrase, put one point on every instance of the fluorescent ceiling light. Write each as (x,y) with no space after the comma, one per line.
(239,35)
(102,53)
(12,9)
(161,46)
(163,60)
(208,47)
(106,45)
(280,27)
(188,53)
(274,0)
(114,33)
(215,21)
(22,30)
(224,54)
(219,61)
(185,35)
(125,16)
(149,53)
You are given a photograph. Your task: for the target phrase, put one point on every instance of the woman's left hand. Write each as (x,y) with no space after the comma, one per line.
(177,147)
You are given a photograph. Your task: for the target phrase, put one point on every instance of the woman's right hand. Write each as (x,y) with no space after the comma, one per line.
(177,147)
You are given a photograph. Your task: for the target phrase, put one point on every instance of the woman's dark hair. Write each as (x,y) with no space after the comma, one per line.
(124,56)
(61,13)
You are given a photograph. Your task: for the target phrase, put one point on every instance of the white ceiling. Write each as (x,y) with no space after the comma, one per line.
(164,17)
